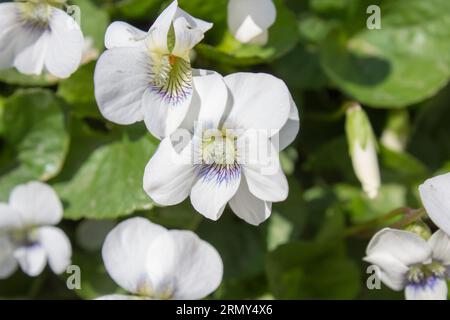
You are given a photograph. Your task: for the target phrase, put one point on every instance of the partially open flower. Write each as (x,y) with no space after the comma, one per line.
(27,235)
(231,155)
(249,20)
(406,261)
(363,150)
(148,75)
(150,262)
(37,35)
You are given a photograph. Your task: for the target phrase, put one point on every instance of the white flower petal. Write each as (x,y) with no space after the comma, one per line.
(125,253)
(248,19)
(248,207)
(121,34)
(211,95)
(435,195)
(162,117)
(260,39)
(157,35)
(31,58)
(8,263)
(182,266)
(390,270)
(393,251)
(262,169)
(37,203)
(168,176)
(9,218)
(202,25)
(121,78)
(290,129)
(199,268)
(260,101)
(57,247)
(10,33)
(440,244)
(32,259)
(187,33)
(211,193)
(65,46)
(434,289)
(273,187)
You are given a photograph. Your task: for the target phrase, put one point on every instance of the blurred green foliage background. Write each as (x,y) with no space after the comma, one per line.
(52,131)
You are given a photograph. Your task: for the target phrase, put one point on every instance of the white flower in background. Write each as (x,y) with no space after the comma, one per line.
(407,261)
(27,235)
(249,20)
(363,150)
(243,121)
(35,35)
(148,76)
(151,262)
(435,195)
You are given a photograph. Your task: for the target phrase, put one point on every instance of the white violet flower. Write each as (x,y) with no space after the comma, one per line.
(37,35)
(148,75)
(151,262)
(249,20)
(27,234)
(435,195)
(232,153)
(406,261)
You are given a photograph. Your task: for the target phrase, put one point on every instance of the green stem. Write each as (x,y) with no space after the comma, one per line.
(409,216)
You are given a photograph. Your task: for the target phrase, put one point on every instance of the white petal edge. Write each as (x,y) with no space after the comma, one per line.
(57,247)
(121,77)
(8,263)
(248,207)
(32,259)
(37,203)
(65,45)
(440,244)
(125,253)
(121,34)
(184,267)
(169,176)
(435,195)
(210,196)
(260,102)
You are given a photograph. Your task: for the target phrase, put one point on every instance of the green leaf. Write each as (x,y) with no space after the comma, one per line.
(107,183)
(14,77)
(312,270)
(300,68)
(405,62)
(95,281)
(78,91)
(135,9)
(35,130)
(182,216)
(241,246)
(283,37)
(361,209)
(94,22)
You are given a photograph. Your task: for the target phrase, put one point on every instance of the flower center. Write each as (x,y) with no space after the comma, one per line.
(422,273)
(219,155)
(171,77)
(23,237)
(35,14)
